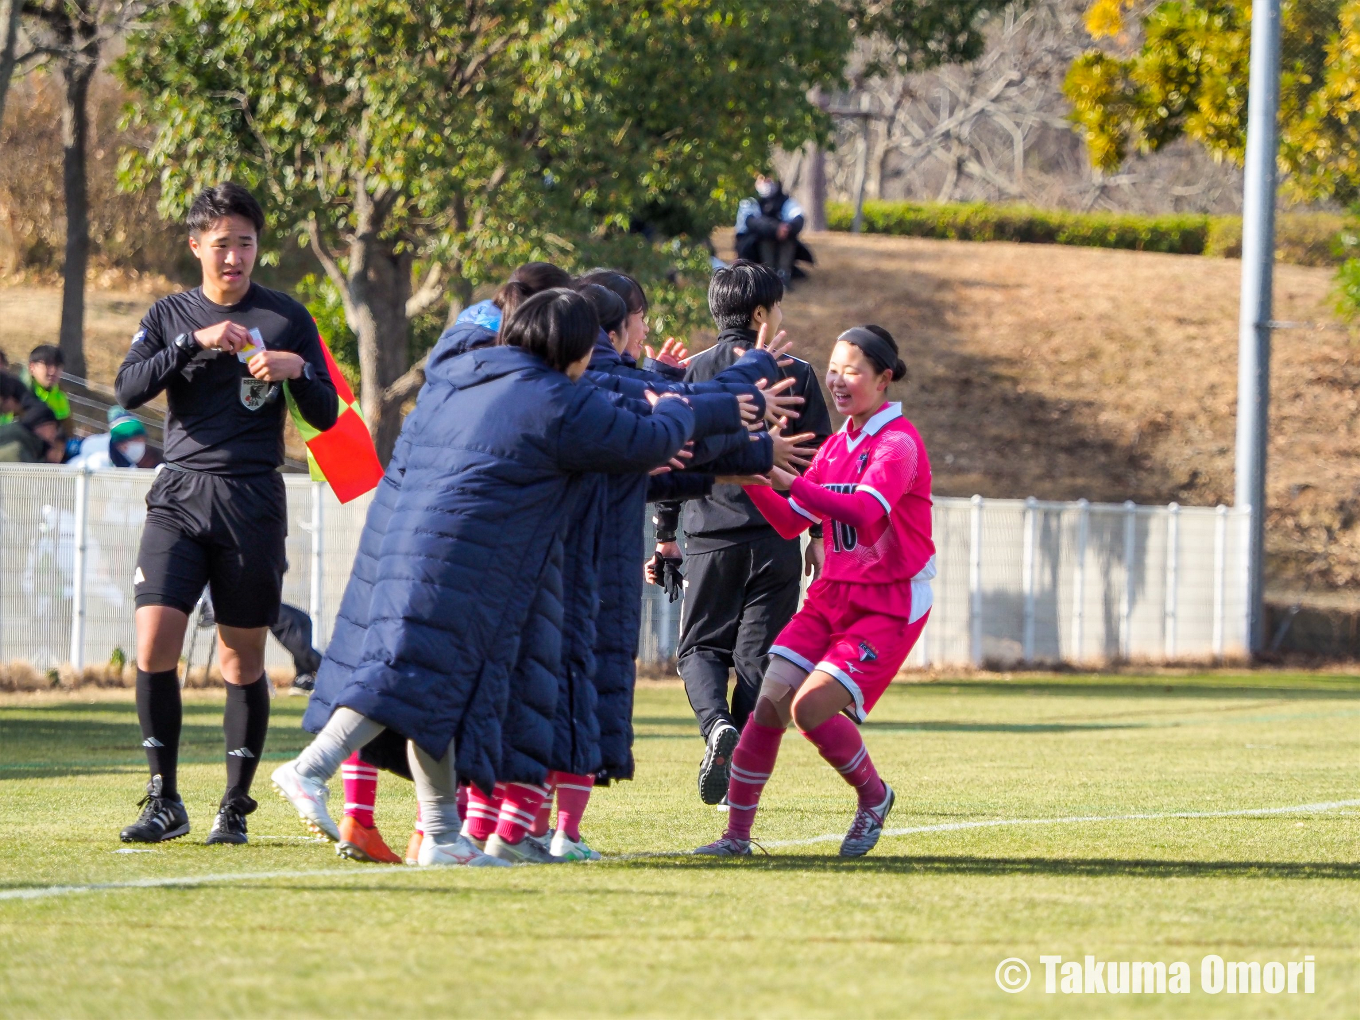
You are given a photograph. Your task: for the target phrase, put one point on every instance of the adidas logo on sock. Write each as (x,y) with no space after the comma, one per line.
(241,752)
(152,742)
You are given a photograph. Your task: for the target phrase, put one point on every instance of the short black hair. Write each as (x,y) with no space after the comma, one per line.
(622,284)
(608,305)
(558,325)
(225,199)
(47,354)
(736,291)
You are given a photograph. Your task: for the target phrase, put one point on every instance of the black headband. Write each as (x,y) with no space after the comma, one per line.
(880,352)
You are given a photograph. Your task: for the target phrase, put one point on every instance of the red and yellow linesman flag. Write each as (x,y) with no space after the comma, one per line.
(343,455)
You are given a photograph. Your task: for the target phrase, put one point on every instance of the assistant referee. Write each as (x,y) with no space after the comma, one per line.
(217,514)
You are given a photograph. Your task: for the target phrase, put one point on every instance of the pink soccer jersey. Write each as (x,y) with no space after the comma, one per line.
(886,459)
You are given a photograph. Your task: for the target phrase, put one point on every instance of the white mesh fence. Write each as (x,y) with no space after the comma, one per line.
(1019,581)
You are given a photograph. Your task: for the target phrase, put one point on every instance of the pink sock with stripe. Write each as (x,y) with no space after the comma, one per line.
(361,789)
(839,742)
(573,794)
(519,807)
(544,816)
(482,812)
(752,763)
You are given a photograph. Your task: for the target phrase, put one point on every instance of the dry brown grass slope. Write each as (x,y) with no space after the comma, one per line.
(1068,372)
(1046,371)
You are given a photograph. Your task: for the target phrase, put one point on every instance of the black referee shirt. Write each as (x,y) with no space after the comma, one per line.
(223,420)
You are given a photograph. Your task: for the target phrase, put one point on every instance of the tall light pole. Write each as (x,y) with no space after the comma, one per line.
(1253,331)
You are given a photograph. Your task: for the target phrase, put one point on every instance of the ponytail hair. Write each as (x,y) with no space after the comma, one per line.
(526,281)
(880,348)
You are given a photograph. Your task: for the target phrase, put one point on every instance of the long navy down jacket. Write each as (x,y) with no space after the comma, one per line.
(622,555)
(465,538)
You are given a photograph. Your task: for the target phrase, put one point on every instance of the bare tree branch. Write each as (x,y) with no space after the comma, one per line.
(428,293)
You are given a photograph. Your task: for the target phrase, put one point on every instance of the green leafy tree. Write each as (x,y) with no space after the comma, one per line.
(1189,78)
(419,149)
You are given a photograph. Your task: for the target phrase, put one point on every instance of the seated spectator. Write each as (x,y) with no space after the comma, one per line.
(33,439)
(43,377)
(768,227)
(14,397)
(123,445)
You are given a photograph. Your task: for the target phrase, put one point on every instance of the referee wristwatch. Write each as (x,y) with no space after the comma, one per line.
(185,342)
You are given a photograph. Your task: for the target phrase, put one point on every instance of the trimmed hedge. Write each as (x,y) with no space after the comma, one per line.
(1304,238)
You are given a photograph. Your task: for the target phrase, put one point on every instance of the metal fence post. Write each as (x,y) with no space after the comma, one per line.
(78,569)
(1079,578)
(314,610)
(1173,535)
(1220,571)
(1031,525)
(1126,616)
(975,579)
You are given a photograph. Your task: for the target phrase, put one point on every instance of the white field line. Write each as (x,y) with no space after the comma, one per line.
(1296,809)
(40,892)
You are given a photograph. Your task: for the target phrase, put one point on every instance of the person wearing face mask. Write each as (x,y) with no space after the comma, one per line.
(122,446)
(768,226)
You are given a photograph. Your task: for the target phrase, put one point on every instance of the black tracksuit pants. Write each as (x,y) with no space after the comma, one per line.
(737,600)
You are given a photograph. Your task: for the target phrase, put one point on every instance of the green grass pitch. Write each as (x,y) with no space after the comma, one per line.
(915,930)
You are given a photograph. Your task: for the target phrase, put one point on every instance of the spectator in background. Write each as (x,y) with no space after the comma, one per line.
(43,377)
(768,227)
(123,445)
(33,439)
(14,397)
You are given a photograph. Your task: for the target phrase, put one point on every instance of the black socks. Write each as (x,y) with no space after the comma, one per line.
(160,713)
(245,723)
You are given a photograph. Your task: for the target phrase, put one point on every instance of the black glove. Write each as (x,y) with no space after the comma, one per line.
(666,571)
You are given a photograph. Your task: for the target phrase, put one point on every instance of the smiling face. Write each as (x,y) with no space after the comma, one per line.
(857,387)
(226,251)
(637,329)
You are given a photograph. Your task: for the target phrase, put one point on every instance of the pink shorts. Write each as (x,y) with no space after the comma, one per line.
(842,631)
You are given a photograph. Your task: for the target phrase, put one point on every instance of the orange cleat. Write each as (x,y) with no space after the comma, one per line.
(413,848)
(360,843)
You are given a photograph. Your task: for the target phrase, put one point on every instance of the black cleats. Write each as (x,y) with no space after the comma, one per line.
(716,769)
(162,818)
(228,827)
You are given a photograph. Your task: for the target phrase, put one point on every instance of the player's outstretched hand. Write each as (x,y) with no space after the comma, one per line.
(790,454)
(781,479)
(276,366)
(653,398)
(777,403)
(227,337)
(673,352)
(750,417)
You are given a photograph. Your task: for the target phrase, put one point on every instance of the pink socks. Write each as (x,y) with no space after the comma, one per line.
(573,794)
(361,789)
(840,743)
(482,812)
(752,763)
(519,807)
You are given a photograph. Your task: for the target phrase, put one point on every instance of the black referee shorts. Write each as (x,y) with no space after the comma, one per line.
(219,530)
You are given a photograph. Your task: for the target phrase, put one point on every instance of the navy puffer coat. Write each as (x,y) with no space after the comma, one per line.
(622,556)
(469,536)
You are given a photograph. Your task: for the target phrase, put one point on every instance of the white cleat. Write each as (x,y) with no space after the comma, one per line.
(526,851)
(308,796)
(569,849)
(867,827)
(461,853)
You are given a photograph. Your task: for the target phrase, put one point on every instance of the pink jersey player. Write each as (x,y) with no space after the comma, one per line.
(870,485)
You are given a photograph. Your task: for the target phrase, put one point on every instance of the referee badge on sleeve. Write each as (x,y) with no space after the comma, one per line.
(255,393)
